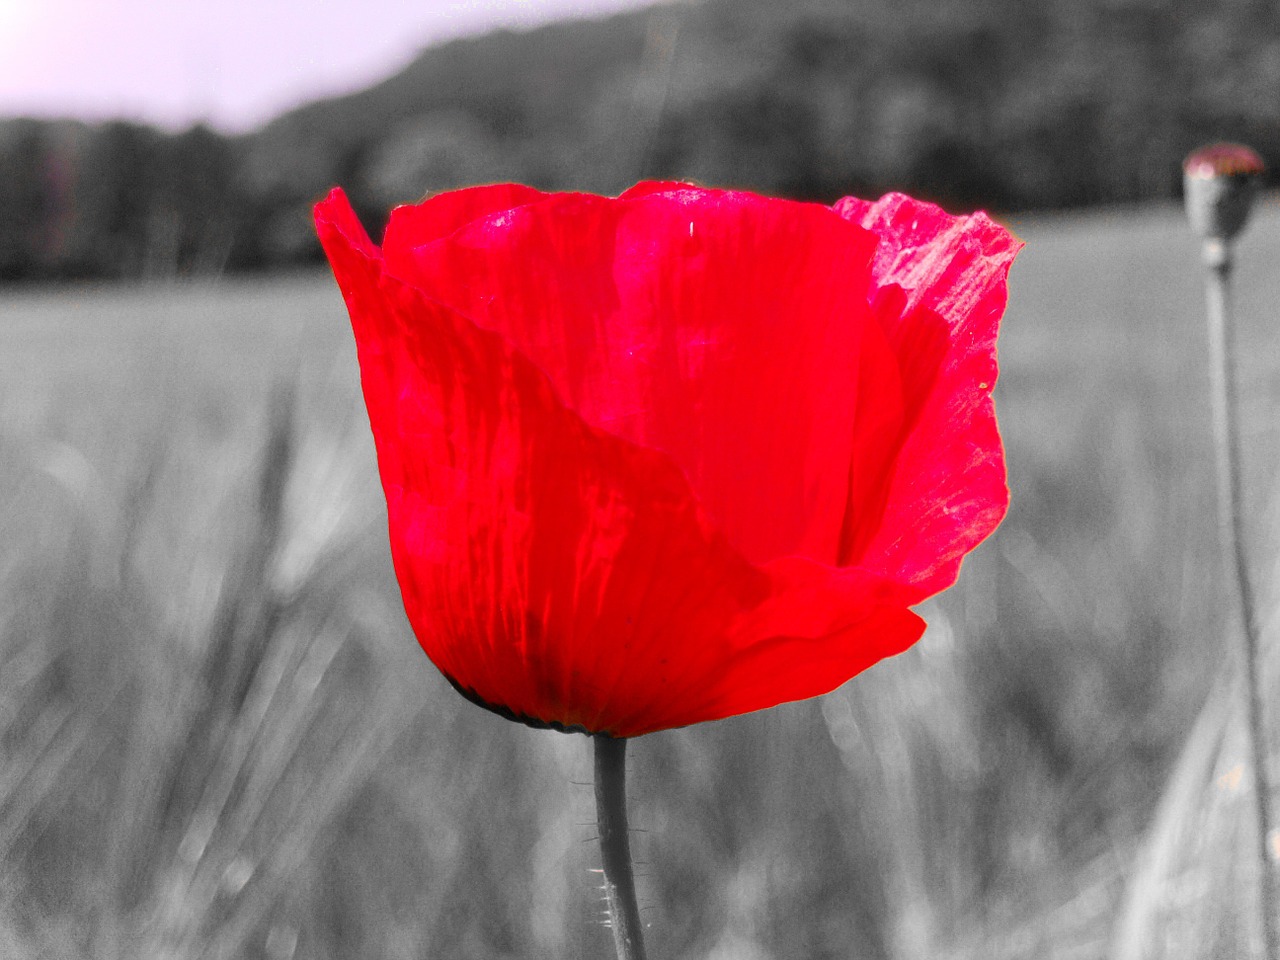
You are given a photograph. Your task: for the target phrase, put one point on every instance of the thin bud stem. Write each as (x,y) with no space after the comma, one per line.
(615,846)
(1226,433)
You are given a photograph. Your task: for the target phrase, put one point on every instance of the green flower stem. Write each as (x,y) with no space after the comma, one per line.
(615,846)
(1226,432)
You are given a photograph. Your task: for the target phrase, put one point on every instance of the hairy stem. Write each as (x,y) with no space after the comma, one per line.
(615,846)
(1226,433)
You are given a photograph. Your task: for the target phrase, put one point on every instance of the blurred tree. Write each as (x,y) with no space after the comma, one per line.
(197,196)
(441,151)
(25,198)
(110,221)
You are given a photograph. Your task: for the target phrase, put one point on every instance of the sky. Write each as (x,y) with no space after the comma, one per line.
(231,63)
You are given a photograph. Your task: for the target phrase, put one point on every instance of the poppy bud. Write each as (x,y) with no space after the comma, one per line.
(1219,185)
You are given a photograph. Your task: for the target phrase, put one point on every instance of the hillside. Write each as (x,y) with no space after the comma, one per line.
(991,103)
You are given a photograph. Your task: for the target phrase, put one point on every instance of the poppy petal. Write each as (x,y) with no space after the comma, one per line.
(729,330)
(560,573)
(941,288)
(647,187)
(441,214)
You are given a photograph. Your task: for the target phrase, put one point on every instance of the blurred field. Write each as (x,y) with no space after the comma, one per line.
(220,740)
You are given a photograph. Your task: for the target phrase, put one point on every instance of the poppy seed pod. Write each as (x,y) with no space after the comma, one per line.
(1219,183)
(676,455)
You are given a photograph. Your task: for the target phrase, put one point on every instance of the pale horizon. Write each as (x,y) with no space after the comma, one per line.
(233,64)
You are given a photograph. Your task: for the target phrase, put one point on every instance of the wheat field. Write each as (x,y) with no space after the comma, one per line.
(220,740)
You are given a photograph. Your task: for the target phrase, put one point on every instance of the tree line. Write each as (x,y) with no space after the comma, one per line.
(974,103)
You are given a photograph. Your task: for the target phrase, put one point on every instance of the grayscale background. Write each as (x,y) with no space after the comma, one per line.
(218,738)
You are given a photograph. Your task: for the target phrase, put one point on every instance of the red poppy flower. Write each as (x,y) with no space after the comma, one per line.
(679,454)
